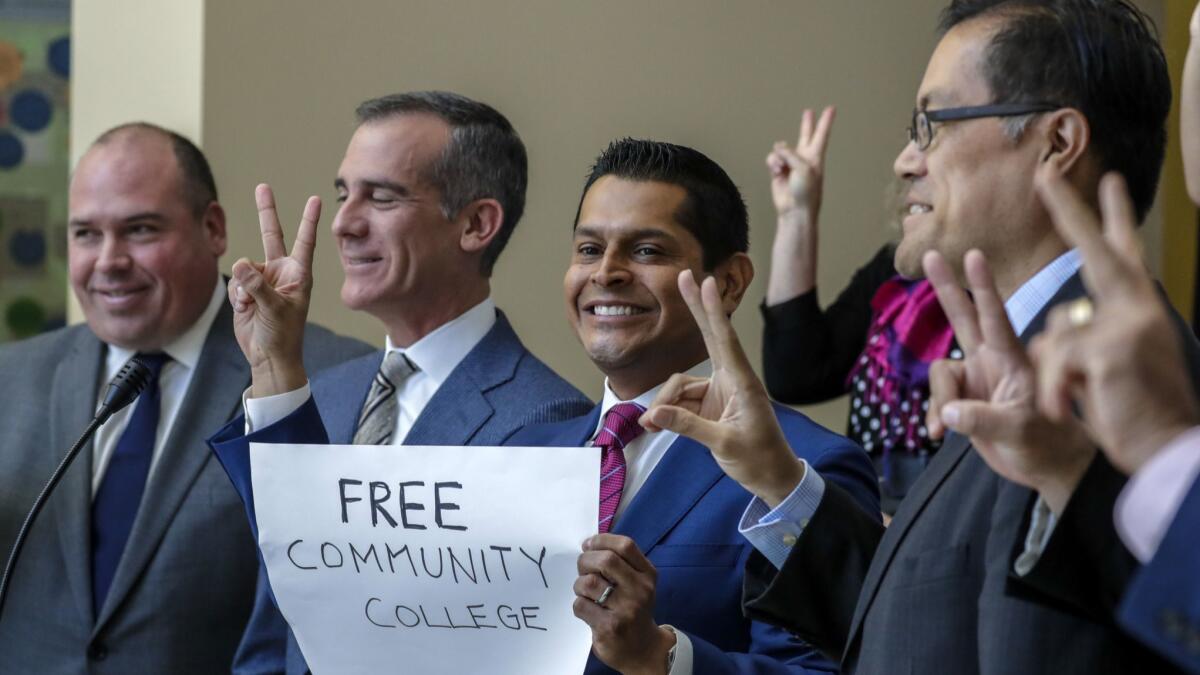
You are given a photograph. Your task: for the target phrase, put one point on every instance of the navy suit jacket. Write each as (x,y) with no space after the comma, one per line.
(685,520)
(1161,607)
(498,388)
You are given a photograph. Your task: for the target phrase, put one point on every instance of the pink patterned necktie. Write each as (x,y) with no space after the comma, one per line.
(619,429)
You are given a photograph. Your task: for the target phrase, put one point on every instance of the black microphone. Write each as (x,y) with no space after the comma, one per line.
(122,390)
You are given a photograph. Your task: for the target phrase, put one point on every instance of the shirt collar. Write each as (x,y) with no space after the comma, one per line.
(1033,295)
(439,353)
(183,350)
(702,369)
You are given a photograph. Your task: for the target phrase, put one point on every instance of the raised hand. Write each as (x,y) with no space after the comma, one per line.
(990,395)
(729,413)
(270,299)
(797,175)
(1118,359)
(615,598)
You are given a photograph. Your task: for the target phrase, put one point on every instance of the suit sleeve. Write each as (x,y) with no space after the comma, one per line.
(775,653)
(1161,607)
(809,597)
(263,649)
(807,352)
(1084,565)
(232,447)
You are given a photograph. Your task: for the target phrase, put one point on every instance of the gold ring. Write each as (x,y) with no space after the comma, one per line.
(1080,312)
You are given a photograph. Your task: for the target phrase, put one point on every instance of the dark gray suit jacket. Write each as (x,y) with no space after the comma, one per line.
(185,584)
(936,593)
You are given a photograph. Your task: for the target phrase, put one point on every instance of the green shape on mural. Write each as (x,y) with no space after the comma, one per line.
(25,317)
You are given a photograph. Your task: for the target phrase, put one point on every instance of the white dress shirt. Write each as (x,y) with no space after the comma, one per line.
(173,383)
(435,356)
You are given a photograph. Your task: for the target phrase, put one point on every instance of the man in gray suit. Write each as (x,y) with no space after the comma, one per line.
(976,573)
(431,187)
(118,573)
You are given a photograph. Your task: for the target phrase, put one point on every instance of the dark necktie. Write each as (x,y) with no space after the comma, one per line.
(377,421)
(120,493)
(619,429)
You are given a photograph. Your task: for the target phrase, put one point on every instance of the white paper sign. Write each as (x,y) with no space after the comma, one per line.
(428,560)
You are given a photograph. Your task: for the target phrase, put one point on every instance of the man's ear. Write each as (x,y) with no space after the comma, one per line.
(733,279)
(481,221)
(213,222)
(1067,137)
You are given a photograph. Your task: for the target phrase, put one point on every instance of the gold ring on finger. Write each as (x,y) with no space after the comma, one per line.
(1080,312)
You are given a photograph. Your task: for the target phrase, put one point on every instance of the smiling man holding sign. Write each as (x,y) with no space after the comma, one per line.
(669,552)
(431,187)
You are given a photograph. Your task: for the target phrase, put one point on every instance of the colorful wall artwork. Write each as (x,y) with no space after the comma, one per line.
(35,68)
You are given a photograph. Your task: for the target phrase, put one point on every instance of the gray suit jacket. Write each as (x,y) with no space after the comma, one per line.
(497,389)
(936,591)
(184,587)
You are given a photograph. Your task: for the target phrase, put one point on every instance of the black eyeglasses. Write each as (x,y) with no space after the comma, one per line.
(921,131)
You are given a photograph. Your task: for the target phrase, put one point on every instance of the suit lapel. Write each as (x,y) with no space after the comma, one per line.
(212,398)
(943,464)
(684,474)
(73,396)
(459,409)
(341,406)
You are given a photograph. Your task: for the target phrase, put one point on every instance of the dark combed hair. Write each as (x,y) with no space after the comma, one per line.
(1101,57)
(713,211)
(484,157)
(199,187)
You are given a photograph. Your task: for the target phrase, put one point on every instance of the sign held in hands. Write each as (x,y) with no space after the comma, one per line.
(428,559)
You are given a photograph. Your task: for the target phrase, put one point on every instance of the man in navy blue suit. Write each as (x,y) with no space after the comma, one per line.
(431,187)
(661,584)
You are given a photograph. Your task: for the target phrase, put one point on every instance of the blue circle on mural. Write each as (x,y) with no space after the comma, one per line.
(30,110)
(12,150)
(58,57)
(27,247)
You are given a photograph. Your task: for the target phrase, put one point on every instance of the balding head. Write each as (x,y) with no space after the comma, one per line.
(197,185)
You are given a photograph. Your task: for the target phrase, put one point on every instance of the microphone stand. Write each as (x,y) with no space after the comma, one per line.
(122,391)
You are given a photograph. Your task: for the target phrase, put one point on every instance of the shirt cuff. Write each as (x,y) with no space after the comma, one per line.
(1041,526)
(682,663)
(774,531)
(265,411)
(1153,494)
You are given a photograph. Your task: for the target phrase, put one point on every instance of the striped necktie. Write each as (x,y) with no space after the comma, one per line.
(377,422)
(619,429)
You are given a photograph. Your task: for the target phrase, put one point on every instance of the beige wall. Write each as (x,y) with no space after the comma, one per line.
(280,84)
(136,60)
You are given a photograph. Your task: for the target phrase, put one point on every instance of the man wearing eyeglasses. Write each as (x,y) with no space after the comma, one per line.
(976,574)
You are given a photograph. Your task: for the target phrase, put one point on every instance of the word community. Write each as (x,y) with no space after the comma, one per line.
(460,564)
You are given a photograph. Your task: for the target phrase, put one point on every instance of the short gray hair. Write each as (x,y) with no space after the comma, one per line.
(484,157)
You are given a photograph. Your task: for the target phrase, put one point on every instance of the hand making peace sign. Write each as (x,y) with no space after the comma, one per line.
(729,412)
(270,299)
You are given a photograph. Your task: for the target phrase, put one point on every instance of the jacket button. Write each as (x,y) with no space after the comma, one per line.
(97,652)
